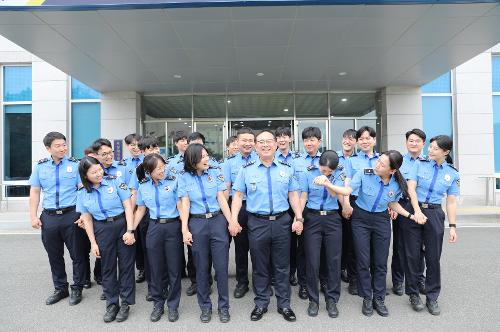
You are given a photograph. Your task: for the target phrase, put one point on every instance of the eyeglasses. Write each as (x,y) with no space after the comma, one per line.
(266,141)
(106,154)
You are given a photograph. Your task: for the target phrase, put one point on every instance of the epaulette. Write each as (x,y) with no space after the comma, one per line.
(80,188)
(340,167)
(181,172)
(285,163)
(423,159)
(44,160)
(220,161)
(212,158)
(231,156)
(146,179)
(342,176)
(249,163)
(170,177)
(123,186)
(311,167)
(110,177)
(452,166)
(170,157)
(181,160)
(213,167)
(73,159)
(122,163)
(296,155)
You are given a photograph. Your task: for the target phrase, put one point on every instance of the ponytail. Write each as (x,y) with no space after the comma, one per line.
(402,182)
(449,159)
(141,172)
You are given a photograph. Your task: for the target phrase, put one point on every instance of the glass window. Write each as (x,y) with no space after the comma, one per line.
(157,129)
(260,106)
(81,91)
(321,124)
(85,126)
(17,142)
(352,104)
(496,131)
(496,73)
(311,105)
(161,107)
(172,127)
(17,83)
(210,106)
(337,128)
(437,118)
(214,137)
(442,84)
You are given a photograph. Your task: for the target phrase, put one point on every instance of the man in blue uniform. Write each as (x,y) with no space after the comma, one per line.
(57,177)
(104,153)
(269,186)
(176,162)
(232,166)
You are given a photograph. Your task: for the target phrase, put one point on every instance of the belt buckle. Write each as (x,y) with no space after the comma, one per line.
(162,221)
(208,215)
(425,205)
(59,212)
(322,213)
(272,218)
(109,219)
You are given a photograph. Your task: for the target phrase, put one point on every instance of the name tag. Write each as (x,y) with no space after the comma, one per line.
(369,171)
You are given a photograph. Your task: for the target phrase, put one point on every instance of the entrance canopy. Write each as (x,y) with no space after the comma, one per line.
(231,47)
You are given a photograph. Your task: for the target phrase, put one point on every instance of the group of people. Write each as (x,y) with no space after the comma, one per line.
(311,219)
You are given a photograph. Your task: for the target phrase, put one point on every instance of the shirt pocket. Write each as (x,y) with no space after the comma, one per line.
(254,184)
(370,190)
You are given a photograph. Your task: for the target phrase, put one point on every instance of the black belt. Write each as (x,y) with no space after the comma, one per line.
(205,215)
(115,218)
(429,205)
(268,216)
(164,220)
(59,211)
(322,212)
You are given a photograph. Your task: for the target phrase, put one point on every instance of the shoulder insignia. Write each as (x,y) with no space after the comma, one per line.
(452,166)
(220,161)
(110,177)
(212,158)
(231,156)
(181,172)
(146,179)
(342,176)
(131,171)
(424,159)
(73,159)
(170,177)
(213,167)
(220,177)
(311,167)
(80,188)
(340,167)
(123,186)
(285,163)
(44,160)
(458,182)
(249,163)
(170,157)
(295,155)
(122,163)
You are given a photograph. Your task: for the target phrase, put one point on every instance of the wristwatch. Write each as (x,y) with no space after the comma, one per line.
(131,231)
(452,225)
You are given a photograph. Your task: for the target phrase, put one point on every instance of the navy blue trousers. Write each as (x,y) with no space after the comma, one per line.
(430,235)
(372,238)
(270,239)
(57,231)
(326,232)
(297,255)
(348,254)
(116,256)
(164,247)
(211,238)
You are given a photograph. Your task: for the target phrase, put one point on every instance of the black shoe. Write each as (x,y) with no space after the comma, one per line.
(416,302)
(421,287)
(433,307)
(87,284)
(98,280)
(343,276)
(141,276)
(257,313)
(166,292)
(206,315)
(111,312)
(398,289)
(156,314)
(123,313)
(224,316)
(313,308)
(75,297)
(367,308)
(353,287)
(149,297)
(331,307)
(191,290)
(322,287)
(287,314)
(58,295)
(380,307)
(103,297)
(303,292)
(293,280)
(240,291)
(173,315)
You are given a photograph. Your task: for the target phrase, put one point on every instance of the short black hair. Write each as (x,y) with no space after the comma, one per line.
(88,151)
(231,139)
(349,133)
(196,135)
(179,135)
(415,131)
(83,168)
(51,137)
(148,142)
(192,156)
(98,143)
(310,132)
(369,129)
(148,165)
(283,131)
(330,159)
(132,137)
(264,131)
(245,130)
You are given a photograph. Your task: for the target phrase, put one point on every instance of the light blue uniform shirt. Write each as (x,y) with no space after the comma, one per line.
(407,165)
(434,181)
(318,197)
(374,195)
(117,169)
(266,188)
(232,167)
(161,198)
(202,190)
(59,183)
(175,164)
(303,162)
(131,165)
(357,163)
(290,158)
(343,159)
(105,201)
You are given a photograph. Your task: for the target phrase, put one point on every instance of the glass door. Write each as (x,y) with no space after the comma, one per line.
(215,136)
(301,124)
(262,124)
(171,128)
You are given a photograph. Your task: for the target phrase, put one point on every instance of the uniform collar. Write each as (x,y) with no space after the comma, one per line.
(340,153)
(307,155)
(391,180)
(434,164)
(62,160)
(259,162)
(408,156)
(140,158)
(160,182)
(278,153)
(104,182)
(114,164)
(364,155)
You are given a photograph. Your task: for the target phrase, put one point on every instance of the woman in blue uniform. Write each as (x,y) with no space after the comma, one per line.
(322,227)
(158,193)
(201,189)
(429,181)
(378,188)
(104,202)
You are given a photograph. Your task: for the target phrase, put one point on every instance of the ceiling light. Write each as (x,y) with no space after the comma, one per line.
(241,121)
(342,73)
(180,119)
(343,100)
(177,76)
(269,121)
(189,126)
(229,102)
(185,123)
(285,110)
(216,125)
(260,74)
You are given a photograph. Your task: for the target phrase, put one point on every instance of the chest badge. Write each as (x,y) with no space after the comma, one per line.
(69,169)
(167,188)
(173,170)
(254,186)
(118,173)
(447,177)
(391,193)
(282,174)
(110,190)
(210,178)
